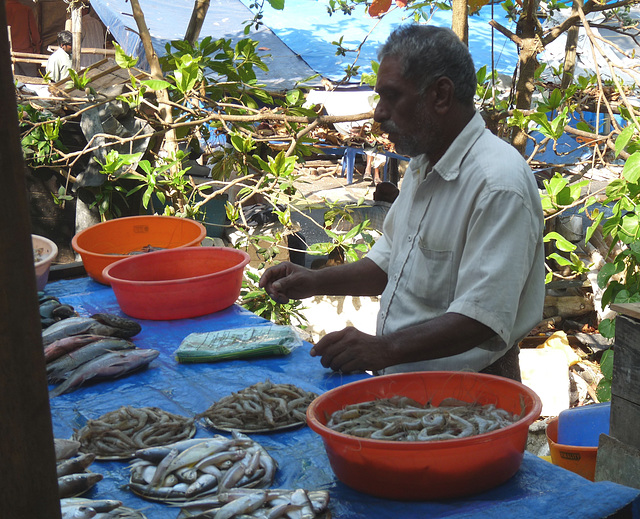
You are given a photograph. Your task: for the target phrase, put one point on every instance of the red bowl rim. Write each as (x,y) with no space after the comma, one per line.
(80,250)
(346,439)
(106,272)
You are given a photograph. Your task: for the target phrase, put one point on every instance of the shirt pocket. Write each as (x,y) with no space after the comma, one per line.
(432,280)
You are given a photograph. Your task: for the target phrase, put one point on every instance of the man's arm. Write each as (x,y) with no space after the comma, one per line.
(289,281)
(351,350)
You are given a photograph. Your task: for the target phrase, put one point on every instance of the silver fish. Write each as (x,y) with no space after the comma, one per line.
(99,505)
(242,505)
(75,484)
(66,328)
(75,465)
(109,365)
(68,344)
(66,448)
(78,512)
(59,368)
(157,454)
(100,324)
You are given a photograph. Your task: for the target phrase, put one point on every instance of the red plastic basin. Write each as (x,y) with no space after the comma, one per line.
(432,469)
(177,283)
(107,242)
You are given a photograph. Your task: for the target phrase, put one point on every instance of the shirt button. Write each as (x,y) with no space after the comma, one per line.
(409,238)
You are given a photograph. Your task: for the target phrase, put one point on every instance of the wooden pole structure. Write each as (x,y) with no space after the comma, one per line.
(76,31)
(29,483)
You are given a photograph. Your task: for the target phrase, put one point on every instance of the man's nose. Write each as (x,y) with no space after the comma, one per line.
(380,113)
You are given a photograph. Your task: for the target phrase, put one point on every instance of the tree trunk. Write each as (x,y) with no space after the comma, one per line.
(29,481)
(528,63)
(460,20)
(570,49)
(170,143)
(197,19)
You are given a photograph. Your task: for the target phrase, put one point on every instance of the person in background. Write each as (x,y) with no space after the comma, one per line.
(25,34)
(460,263)
(59,62)
(92,37)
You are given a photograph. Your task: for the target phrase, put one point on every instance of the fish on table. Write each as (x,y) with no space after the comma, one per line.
(108,366)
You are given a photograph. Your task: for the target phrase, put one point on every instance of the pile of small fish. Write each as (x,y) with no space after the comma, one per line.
(52,310)
(79,349)
(259,504)
(260,408)
(404,419)
(71,466)
(80,508)
(119,434)
(194,468)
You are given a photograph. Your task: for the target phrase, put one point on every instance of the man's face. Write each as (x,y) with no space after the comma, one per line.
(67,48)
(401,111)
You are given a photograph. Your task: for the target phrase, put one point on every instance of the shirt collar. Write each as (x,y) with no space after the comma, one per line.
(448,167)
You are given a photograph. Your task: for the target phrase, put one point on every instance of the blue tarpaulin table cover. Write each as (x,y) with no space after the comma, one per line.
(539,489)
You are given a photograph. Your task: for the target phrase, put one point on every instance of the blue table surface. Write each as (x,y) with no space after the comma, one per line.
(539,489)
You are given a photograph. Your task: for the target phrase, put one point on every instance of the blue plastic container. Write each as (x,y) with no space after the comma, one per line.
(582,426)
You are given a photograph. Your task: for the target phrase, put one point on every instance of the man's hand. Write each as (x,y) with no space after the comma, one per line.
(287,281)
(352,350)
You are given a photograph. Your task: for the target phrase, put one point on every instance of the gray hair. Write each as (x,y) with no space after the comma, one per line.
(427,53)
(65,38)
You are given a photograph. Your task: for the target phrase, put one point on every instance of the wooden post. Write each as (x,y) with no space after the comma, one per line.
(76,31)
(29,483)
(619,451)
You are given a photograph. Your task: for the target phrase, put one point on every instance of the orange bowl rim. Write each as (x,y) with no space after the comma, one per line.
(106,272)
(330,434)
(81,250)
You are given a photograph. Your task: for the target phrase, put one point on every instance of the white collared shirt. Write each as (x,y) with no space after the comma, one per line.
(466,237)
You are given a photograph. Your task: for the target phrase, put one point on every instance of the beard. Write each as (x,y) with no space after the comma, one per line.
(405,144)
(410,144)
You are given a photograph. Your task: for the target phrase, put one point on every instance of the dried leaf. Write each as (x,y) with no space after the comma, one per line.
(379,7)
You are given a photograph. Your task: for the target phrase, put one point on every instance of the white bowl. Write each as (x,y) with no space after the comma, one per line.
(46,251)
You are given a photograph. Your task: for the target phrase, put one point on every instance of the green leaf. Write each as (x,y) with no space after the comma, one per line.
(631,170)
(608,270)
(607,328)
(606,364)
(123,59)
(561,242)
(624,138)
(560,259)
(277,4)
(156,84)
(603,390)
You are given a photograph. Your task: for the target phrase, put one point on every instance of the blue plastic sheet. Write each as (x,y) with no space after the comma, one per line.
(298,40)
(539,489)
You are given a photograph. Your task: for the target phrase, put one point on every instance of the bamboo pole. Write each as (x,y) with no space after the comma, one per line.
(29,483)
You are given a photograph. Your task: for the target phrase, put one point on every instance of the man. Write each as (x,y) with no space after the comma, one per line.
(460,265)
(92,37)
(24,33)
(59,62)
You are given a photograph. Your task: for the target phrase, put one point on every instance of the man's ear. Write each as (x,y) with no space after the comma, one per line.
(443,95)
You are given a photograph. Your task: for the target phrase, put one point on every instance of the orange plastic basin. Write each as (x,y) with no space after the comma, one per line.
(107,242)
(177,283)
(581,460)
(432,469)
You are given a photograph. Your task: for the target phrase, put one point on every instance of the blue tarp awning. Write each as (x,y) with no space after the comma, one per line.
(296,42)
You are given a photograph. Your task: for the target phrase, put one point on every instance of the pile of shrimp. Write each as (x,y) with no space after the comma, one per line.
(403,419)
